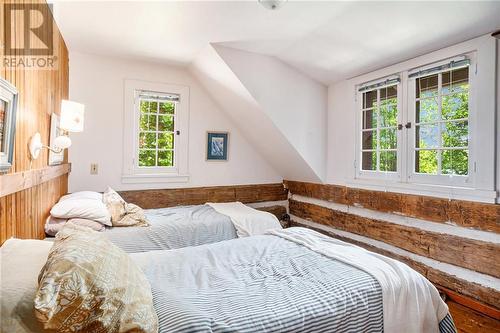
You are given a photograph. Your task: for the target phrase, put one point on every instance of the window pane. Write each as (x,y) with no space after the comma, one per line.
(388,161)
(166,123)
(456,80)
(427,110)
(144,106)
(369,160)
(167,108)
(427,136)
(427,86)
(369,119)
(455,134)
(389,94)
(147,158)
(153,107)
(166,141)
(455,106)
(369,99)
(455,162)
(388,114)
(166,158)
(370,140)
(426,161)
(148,122)
(147,140)
(388,138)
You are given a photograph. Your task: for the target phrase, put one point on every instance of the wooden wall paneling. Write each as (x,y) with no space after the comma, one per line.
(200,195)
(480,256)
(25,206)
(476,215)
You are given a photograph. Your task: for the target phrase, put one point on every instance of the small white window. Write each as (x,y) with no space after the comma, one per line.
(155,132)
(379,139)
(157,129)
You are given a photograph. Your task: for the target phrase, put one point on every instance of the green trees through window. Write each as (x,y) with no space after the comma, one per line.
(442,125)
(156,133)
(379,129)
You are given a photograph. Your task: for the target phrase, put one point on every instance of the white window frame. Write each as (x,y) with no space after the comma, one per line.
(446,180)
(132,172)
(405,174)
(373,174)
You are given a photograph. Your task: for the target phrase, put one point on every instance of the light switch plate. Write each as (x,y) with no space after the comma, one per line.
(93,169)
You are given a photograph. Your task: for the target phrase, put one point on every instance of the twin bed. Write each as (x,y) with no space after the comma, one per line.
(204,278)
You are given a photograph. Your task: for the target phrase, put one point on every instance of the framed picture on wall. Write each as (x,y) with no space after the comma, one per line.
(217,146)
(55,131)
(8,107)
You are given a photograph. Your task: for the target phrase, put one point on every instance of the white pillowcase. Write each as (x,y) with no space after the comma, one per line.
(21,261)
(82,195)
(91,209)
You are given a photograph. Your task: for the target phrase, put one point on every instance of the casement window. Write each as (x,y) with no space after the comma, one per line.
(440,112)
(155,132)
(379,126)
(415,126)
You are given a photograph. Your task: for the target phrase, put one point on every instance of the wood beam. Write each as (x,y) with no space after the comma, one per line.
(480,256)
(476,215)
(200,195)
(482,294)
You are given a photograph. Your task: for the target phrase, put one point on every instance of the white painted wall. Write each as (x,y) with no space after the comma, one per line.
(245,111)
(97,82)
(342,129)
(295,103)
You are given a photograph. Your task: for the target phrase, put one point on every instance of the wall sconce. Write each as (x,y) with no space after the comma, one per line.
(71,121)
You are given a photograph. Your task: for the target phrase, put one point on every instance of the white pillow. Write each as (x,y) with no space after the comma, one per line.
(21,261)
(82,195)
(82,208)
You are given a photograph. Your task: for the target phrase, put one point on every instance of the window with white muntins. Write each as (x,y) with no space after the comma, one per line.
(415,126)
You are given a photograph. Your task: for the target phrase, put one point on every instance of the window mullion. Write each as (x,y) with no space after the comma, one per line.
(440,118)
(378,130)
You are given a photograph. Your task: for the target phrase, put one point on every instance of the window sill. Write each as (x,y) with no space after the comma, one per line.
(440,191)
(154,178)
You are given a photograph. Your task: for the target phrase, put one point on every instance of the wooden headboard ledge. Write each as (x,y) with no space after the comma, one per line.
(15,182)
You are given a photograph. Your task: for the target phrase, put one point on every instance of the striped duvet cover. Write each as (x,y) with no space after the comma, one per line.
(262,284)
(173,228)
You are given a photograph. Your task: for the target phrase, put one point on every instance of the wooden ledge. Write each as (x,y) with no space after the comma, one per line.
(15,182)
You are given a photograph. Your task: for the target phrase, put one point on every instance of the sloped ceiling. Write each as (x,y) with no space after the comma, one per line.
(268,70)
(327,40)
(246,112)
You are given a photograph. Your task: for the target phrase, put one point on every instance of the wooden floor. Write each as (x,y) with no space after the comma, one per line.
(470,321)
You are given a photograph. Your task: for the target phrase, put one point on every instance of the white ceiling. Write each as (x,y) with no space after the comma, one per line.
(328,41)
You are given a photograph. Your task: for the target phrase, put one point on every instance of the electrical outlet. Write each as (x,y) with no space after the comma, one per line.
(93,169)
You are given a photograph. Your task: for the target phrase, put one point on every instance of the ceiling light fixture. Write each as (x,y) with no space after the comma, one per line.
(272,4)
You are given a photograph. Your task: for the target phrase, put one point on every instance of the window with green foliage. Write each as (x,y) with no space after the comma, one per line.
(442,123)
(379,140)
(156,130)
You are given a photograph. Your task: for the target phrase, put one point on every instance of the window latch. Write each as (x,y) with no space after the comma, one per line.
(408,125)
(178,132)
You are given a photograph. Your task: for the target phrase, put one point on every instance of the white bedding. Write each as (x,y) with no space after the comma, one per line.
(247,220)
(411,303)
(20,263)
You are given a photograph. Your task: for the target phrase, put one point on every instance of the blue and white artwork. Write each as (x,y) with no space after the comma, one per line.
(217,146)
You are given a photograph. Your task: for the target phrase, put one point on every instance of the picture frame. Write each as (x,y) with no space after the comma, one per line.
(55,131)
(217,146)
(8,109)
